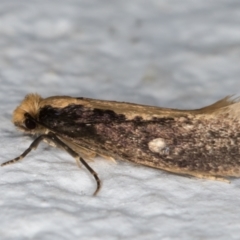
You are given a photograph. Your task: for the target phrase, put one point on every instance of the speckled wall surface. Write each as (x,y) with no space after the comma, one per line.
(182,54)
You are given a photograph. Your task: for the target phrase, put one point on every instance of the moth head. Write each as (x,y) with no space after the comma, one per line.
(25,116)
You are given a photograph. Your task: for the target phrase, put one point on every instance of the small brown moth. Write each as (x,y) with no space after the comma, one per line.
(203,143)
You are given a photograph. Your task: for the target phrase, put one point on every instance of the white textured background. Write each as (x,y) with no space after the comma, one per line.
(171,53)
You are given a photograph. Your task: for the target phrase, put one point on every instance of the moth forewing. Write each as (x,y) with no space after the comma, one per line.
(202,142)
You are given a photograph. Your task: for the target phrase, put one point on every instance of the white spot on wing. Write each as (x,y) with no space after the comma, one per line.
(158,145)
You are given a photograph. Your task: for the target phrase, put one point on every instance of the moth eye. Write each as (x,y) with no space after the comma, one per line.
(30,124)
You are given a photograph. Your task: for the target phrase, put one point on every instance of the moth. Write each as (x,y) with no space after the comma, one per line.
(203,143)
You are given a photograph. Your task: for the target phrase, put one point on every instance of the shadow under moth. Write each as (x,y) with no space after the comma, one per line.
(203,143)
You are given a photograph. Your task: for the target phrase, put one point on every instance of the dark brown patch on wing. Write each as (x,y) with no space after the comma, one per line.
(77,121)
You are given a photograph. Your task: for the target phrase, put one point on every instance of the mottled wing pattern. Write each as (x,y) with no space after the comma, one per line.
(185,143)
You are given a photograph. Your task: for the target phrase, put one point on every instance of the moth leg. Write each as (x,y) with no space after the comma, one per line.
(33,146)
(61,144)
(78,158)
